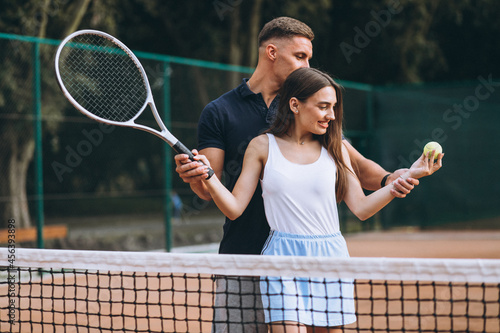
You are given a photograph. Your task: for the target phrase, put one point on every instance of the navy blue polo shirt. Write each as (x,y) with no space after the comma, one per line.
(229,123)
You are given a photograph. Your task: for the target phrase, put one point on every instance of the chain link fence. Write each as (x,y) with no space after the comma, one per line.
(65,167)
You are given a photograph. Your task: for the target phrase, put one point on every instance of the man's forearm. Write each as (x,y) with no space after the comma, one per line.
(394,175)
(370,174)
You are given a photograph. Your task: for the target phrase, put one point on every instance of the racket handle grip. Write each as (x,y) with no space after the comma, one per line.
(181,149)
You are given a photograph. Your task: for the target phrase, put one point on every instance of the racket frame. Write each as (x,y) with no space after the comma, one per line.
(163,134)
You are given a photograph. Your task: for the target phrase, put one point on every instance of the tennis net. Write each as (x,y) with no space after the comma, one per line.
(103,291)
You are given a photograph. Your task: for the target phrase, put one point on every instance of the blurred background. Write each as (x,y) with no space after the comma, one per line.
(413,72)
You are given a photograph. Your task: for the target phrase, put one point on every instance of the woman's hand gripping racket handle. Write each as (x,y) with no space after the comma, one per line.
(181,149)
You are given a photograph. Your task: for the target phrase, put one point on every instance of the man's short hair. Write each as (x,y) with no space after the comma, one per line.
(284,27)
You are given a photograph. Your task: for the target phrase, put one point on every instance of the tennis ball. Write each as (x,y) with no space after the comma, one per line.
(429,147)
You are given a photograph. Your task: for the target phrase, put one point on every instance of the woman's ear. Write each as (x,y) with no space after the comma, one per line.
(294,105)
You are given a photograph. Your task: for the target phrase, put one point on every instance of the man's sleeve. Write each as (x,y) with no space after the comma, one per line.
(210,129)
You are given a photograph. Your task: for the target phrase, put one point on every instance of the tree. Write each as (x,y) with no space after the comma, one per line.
(16,141)
(417,41)
(34,18)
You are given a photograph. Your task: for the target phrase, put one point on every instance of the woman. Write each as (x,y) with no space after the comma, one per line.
(304,169)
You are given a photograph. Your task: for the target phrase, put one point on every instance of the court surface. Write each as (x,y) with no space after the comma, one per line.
(411,243)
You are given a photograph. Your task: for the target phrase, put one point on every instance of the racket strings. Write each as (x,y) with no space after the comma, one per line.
(102,78)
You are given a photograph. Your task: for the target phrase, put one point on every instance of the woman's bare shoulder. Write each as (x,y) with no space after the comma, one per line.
(259,145)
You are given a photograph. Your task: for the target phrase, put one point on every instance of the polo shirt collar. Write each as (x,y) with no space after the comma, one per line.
(268,113)
(244,90)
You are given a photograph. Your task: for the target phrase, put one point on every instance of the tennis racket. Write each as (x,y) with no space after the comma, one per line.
(105,81)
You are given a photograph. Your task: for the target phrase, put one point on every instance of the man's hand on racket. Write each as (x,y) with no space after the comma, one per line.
(193,173)
(190,171)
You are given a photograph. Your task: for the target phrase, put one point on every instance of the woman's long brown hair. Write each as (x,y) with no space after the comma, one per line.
(302,84)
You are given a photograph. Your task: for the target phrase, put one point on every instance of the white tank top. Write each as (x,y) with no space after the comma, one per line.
(300,198)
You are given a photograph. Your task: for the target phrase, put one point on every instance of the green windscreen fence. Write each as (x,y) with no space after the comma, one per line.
(464,118)
(85,169)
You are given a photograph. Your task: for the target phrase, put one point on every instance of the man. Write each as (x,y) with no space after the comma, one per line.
(226,126)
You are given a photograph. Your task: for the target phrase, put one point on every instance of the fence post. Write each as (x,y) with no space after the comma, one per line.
(37,123)
(168,158)
(370,116)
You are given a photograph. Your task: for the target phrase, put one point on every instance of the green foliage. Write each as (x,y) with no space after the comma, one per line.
(427,41)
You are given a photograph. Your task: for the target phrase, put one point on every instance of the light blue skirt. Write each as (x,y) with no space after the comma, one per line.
(309,301)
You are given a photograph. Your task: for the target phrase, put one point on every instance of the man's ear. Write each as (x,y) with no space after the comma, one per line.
(271,51)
